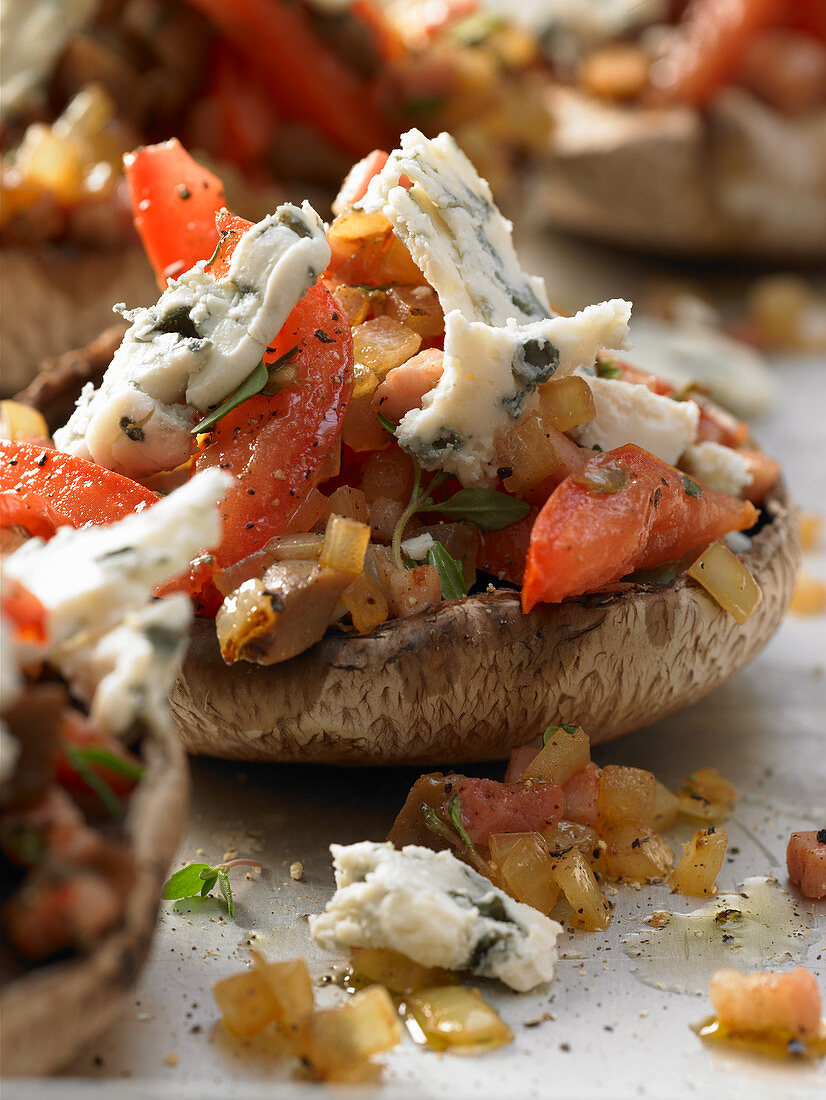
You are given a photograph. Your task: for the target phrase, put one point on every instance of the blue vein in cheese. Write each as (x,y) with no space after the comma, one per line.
(437,911)
(195,346)
(490,378)
(454,232)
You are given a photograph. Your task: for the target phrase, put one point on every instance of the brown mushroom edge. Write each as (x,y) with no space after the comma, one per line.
(473,678)
(50,1014)
(673,182)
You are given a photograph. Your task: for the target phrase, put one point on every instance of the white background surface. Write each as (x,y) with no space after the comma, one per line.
(610,1035)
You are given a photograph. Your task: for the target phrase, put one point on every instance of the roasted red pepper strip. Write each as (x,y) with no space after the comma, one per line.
(42,489)
(174,201)
(624,510)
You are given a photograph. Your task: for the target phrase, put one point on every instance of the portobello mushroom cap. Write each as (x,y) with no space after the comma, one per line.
(741,181)
(50,1013)
(471,679)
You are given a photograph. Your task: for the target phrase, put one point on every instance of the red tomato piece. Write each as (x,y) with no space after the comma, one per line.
(174,202)
(491,807)
(42,489)
(25,612)
(503,553)
(624,510)
(708,45)
(581,793)
(305,79)
(806,862)
(77,732)
(276,445)
(357,179)
(518,761)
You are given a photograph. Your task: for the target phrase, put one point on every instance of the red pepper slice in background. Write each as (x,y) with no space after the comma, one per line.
(624,510)
(277,41)
(174,201)
(43,489)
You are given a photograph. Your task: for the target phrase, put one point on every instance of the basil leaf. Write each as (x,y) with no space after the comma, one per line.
(209,881)
(97,754)
(691,487)
(251,385)
(454,812)
(449,570)
(185,883)
(96,782)
(487,508)
(226,890)
(388,425)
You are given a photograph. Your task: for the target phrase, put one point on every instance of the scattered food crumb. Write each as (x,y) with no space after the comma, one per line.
(297,870)
(171,1060)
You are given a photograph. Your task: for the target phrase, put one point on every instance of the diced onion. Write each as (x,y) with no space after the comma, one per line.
(454,1016)
(384,343)
(566,403)
(395,971)
(636,854)
(344,545)
(627,796)
(366,604)
(291,988)
(727,580)
(700,864)
(337,1043)
(809,596)
(562,756)
(349,502)
(20,422)
(305,547)
(525,869)
(579,885)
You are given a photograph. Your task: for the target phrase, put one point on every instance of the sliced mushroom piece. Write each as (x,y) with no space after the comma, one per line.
(270,619)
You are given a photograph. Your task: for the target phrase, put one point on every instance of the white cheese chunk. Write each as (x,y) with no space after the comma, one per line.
(490,374)
(88,579)
(630,413)
(454,232)
(437,911)
(126,674)
(195,346)
(718,467)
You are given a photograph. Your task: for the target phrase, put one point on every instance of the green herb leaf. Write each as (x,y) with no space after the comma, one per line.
(107,796)
(435,823)
(454,812)
(252,385)
(691,487)
(97,754)
(487,508)
(607,368)
(449,570)
(209,881)
(185,883)
(388,425)
(226,890)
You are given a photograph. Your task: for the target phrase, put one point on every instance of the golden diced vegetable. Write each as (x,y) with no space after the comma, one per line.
(636,854)
(530,452)
(727,580)
(570,834)
(355,225)
(578,884)
(666,808)
(384,515)
(700,864)
(246,1003)
(302,547)
(455,1016)
(354,303)
(525,869)
(349,502)
(616,71)
(566,403)
(384,343)
(337,1043)
(21,423)
(344,545)
(811,529)
(627,796)
(565,752)
(418,308)
(362,429)
(291,989)
(809,596)
(707,796)
(366,604)
(387,474)
(395,971)
(414,589)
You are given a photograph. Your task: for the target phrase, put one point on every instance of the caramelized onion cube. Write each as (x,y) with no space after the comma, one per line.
(337,1043)
(349,502)
(22,422)
(366,604)
(455,1016)
(395,971)
(414,589)
(564,753)
(291,988)
(304,547)
(579,885)
(344,545)
(666,807)
(525,869)
(636,854)
(418,308)
(384,343)
(627,796)
(246,1003)
(727,580)
(566,403)
(700,864)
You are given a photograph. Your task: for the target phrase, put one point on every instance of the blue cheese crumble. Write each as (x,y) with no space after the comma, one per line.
(184,355)
(437,911)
